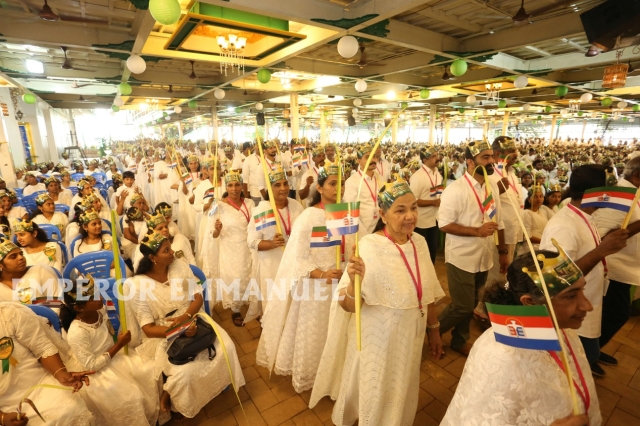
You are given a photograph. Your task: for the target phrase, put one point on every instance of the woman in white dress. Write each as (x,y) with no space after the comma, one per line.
(84,189)
(165,181)
(48,215)
(167,211)
(263,238)
(294,327)
(32,184)
(227,229)
(124,389)
(65,181)
(535,218)
(32,359)
(505,385)
(186,214)
(14,213)
(203,202)
(173,297)
(379,385)
(552,200)
(132,231)
(36,246)
(57,194)
(91,233)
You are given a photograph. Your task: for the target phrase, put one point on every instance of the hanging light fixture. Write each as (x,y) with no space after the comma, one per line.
(493,91)
(615,75)
(574,105)
(593,51)
(232,52)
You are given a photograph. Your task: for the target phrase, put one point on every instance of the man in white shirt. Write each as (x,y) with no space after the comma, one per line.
(470,226)
(251,170)
(273,162)
(383,167)
(623,266)
(309,179)
(426,185)
(286,158)
(369,211)
(576,232)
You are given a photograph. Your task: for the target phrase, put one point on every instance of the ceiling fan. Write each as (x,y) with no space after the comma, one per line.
(173,91)
(193,75)
(66,65)
(75,85)
(522,17)
(362,61)
(46,14)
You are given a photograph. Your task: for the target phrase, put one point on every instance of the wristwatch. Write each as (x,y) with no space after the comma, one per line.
(505,251)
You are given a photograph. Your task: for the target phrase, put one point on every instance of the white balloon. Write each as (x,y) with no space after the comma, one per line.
(43,105)
(471,99)
(521,82)
(357,102)
(177,110)
(564,112)
(586,97)
(167,118)
(136,64)
(631,120)
(348,46)
(594,114)
(526,107)
(118,101)
(259,106)
(219,94)
(622,105)
(361,85)
(354,111)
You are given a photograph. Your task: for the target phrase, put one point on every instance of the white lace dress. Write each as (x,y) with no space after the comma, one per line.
(58,219)
(38,281)
(294,327)
(379,385)
(502,385)
(191,386)
(58,407)
(40,258)
(186,213)
(268,261)
(124,390)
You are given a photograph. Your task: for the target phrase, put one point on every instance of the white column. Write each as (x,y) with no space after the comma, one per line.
(7,168)
(394,132)
(180,133)
(485,130)
(413,130)
(214,124)
(233,139)
(295,116)
(447,126)
(584,127)
(51,141)
(505,123)
(432,123)
(553,129)
(323,129)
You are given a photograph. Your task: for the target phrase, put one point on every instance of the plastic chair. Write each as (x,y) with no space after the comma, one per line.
(49,314)
(104,193)
(108,184)
(108,223)
(62,208)
(202,280)
(29,203)
(18,191)
(73,189)
(100,177)
(77,176)
(52,231)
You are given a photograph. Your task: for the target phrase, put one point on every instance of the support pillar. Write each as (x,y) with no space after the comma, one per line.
(553,129)
(447,126)
(505,123)
(394,132)
(295,115)
(180,132)
(584,127)
(214,125)
(413,130)
(432,124)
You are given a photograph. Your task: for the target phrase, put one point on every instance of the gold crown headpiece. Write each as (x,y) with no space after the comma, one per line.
(87,292)
(135,198)
(328,169)
(52,179)
(192,158)
(319,150)
(556,187)
(6,247)
(208,162)
(65,172)
(42,198)
(391,191)
(559,272)
(88,200)
(429,151)
(153,240)
(82,183)
(268,144)
(414,166)
(476,147)
(88,215)
(134,213)
(23,226)
(506,143)
(165,210)
(232,177)
(277,174)
(155,220)
(364,150)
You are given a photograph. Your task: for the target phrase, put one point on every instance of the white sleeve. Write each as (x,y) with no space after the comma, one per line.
(24,325)
(350,190)
(450,206)
(80,342)
(246,172)
(526,218)
(564,235)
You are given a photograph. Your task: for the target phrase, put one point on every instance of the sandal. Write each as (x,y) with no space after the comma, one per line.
(236,317)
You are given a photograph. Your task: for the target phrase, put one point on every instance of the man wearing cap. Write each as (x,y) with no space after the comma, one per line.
(309,179)
(426,184)
(369,210)
(273,163)
(470,214)
(576,231)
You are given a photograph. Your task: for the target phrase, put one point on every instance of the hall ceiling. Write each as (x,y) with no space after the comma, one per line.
(408,44)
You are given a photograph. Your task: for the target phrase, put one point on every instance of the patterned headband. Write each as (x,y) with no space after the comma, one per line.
(390,192)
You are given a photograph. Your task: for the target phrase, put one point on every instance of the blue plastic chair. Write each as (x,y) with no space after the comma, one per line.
(52,231)
(62,208)
(100,177)
(104,194)
(18,191)
(108,223)
(29,203)
(73,189)
(78,238)
(202,280)
(108,184)
(49,314)
(77,176)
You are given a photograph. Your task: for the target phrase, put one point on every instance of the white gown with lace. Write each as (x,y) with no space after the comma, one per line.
(124,390)
(379,385)
(191,386)
(294,329)
(502,385)
(58,407)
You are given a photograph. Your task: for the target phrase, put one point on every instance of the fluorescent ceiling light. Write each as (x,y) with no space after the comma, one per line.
(35,67)
(230,109)
(25,48)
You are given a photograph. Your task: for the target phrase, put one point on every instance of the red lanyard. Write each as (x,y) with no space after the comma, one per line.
(584,392)
(596,237)
(416,282)
(315,169)
(476,194)
(381,168)
(246,215)
(258,157)
(287,229)
(511,181)
(430,180)
(374,195)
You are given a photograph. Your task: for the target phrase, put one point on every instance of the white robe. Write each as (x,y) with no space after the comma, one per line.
(186,213)
(39,258)
(58,219)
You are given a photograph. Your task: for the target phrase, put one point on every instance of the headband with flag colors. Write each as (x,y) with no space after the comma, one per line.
(320,238)
(264,220)
(611,197)
(525,327)
(342,218)
(559,272)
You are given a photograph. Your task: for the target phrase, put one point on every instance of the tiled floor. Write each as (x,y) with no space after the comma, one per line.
(273,401)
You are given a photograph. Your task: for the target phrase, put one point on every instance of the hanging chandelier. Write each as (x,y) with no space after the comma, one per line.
(493,91)
(615,75)
(232,52)
(574,105)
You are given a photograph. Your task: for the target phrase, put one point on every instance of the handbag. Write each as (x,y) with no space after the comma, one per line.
(185,349)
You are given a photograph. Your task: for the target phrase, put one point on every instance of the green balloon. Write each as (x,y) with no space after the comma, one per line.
(312,107)
(264,76)
(605,117)
(502,103)
(166,12)
(404,105)
(164,114)
(192,104)
(539,117)
(425,93)
(125,89)
(458,67)
(115,108)
(635,108)
(29,98)
(561,91)
(461,110)
(326,113)
(159,120)
(548,108)
(606,102)
(238,110)
(580,113)
(625,119)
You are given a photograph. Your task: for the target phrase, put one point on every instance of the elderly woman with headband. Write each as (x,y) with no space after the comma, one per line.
(47,214)
(13,212)
(505,385)
(379,385)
